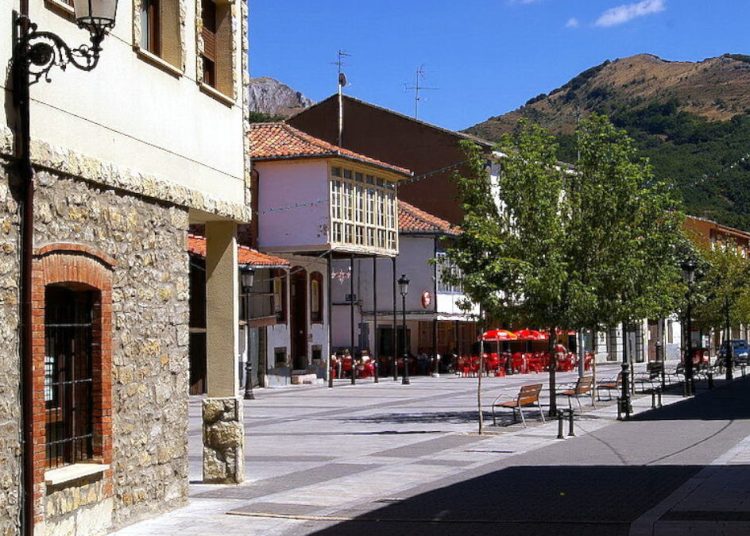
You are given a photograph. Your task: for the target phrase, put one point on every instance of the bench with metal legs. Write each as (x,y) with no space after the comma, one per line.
(528,396)
(583,386)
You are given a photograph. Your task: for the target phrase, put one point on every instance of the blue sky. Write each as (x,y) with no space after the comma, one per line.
(486,57)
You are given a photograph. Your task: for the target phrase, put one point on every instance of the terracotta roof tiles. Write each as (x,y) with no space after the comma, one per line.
(414,220)
(245,255)
(279,141)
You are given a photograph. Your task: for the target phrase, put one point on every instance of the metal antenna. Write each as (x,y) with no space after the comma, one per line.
(417,88)
(340,55)
(341,83)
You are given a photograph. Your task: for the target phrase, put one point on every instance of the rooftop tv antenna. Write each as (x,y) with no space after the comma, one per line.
(342,82)
(417,87)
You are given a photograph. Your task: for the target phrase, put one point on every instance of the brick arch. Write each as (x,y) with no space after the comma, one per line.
(75,266)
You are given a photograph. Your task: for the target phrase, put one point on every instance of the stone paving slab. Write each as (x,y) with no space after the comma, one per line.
(298,434)
(431,446)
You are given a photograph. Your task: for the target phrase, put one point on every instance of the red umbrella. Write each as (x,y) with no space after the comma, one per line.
(530,335)
(499,335)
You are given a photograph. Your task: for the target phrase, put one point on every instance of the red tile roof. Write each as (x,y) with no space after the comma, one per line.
(279,141)
(414,220)
(245,255)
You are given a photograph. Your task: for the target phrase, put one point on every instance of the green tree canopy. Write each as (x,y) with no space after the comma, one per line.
(548,246)
(724,286)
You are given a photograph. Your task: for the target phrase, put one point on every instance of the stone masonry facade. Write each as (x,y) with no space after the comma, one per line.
(147,306)
(150,332)
(10,401)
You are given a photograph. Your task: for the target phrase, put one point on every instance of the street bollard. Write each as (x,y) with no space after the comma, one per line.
(660,404)
(619,409)
(571,433)
(742,368)
(560,425)
(653,398)
(710,380)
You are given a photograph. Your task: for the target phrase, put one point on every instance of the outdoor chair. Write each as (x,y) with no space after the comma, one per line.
(588,359)
(677,373)
(582,387)
(534,363)
(609,385)
(528,396)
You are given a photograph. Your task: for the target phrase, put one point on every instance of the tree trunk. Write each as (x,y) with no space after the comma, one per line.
(479,385)
(594,351)
(552,372)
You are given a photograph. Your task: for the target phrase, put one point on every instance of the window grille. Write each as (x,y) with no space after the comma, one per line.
(68,375)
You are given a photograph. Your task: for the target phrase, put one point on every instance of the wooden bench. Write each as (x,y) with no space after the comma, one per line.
(609,386)
(527,396)
(583,386)
(644,382)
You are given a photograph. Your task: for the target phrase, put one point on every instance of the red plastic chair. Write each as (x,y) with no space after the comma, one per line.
(491,363)
(346,366)
(588,359)
(517,362)
(534,363)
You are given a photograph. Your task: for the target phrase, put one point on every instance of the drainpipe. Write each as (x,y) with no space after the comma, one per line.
(26,174)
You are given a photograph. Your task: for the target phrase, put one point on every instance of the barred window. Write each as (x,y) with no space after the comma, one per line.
(68,374)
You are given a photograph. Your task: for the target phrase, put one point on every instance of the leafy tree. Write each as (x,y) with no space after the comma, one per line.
(724,289)
(556,248)
(625,231)
(626,234)
(513,251)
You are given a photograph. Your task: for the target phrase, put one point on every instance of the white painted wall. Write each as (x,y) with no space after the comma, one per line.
(133,114)
(282,186)
(413,260)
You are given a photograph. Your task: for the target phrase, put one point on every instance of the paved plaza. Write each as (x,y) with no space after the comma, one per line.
(392,459)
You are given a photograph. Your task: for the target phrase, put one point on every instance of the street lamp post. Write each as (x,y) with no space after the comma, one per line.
(247,278)
(403,285)
(35,53)
(626,406)
(728,339)
(688,275)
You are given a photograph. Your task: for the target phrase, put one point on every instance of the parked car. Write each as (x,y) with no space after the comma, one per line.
(740,351)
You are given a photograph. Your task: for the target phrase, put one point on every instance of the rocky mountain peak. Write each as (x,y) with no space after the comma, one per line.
(273,98)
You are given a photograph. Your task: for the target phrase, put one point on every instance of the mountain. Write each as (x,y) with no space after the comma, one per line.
(691,119)
(270,99)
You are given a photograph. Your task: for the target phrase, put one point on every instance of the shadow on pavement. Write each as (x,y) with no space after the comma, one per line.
(728,401)
(444,417)
(549,500)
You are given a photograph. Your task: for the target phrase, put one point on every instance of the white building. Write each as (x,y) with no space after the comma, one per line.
(435,322)
(315,203)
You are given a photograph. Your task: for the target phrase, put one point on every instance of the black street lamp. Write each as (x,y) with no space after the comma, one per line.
(688,275)
(35,53)
(247,278)
(729,351)
(626,405)
(403,286)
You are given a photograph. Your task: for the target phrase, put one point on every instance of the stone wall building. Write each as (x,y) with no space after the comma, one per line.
(125,158)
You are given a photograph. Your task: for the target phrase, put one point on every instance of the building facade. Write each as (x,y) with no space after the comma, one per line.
(436,322)
(121,171)
(432,153)
(315,203)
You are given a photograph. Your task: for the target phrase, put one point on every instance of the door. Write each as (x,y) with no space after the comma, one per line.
(298,318)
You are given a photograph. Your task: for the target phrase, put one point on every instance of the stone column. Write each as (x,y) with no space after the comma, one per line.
(223,427)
